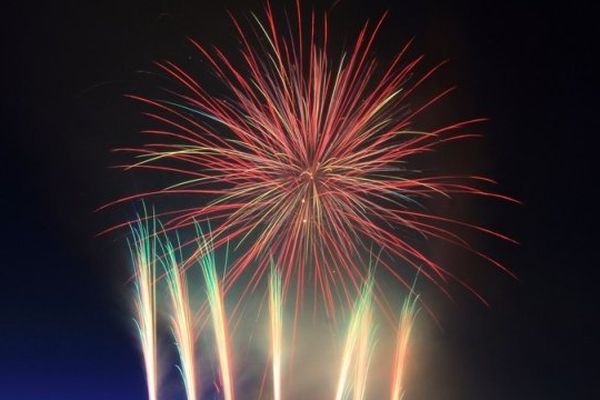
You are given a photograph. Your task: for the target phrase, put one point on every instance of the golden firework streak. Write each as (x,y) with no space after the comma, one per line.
(407,319)
(181,318)
(360,317)
(143,253)
(275,308)
(219,319)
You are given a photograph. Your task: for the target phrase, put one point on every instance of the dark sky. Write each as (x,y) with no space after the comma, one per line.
(63,323)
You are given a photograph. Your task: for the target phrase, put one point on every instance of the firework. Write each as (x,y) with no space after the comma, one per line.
(365,348)
(308,162)
(359,325)
(143,253)
(151,248)
(219,318)
(276,318)
(307,158)
(181,317)
(407,320)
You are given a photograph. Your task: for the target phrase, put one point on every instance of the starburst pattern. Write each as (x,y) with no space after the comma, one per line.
(308,159)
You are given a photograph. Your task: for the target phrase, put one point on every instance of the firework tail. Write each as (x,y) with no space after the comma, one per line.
(181,317)
(358,345)
(219,317)
(364,354)
(276,318)
(143,253)
(407,319)
(360,317)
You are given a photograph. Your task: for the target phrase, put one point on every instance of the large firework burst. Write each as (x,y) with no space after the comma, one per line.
(309,159)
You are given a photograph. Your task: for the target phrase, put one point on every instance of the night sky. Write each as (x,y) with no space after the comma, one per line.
(65,331)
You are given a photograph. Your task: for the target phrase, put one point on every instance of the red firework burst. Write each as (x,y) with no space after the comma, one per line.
(308,160)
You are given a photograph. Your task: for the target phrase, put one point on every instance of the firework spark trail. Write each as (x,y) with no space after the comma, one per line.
(276,319)
(359,321)
(308,158)
(181,317)
(219,317)
(364,355)
(407,320)
(150,248)
(143,253)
